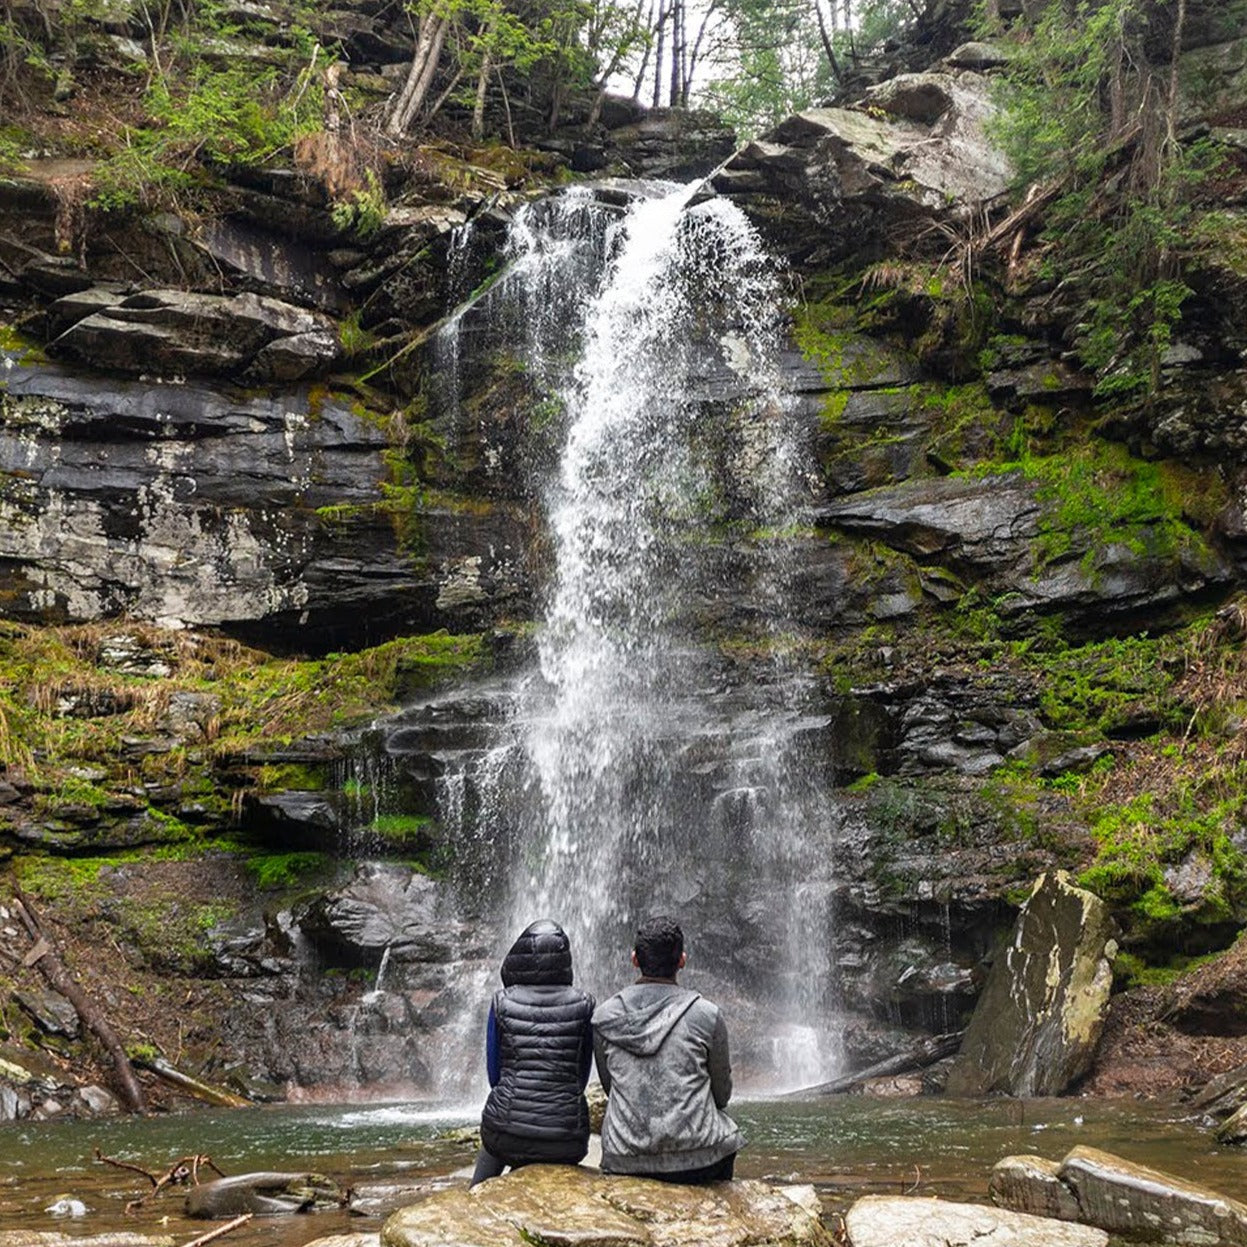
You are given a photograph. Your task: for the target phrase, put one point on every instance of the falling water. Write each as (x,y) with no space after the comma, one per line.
(659,755)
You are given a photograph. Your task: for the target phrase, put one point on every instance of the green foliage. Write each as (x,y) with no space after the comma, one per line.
(1085,114)
(1137,840)
(212,106)
(1105,685)
(1132,970)
(770,60)
(361,212)
(11,144)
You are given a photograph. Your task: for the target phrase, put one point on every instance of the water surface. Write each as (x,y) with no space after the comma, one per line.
(846,1146)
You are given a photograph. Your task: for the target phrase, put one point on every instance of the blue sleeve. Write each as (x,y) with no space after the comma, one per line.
(493,1057)
(586,1055)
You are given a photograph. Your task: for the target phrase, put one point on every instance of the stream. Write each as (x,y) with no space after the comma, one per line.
(845,1146)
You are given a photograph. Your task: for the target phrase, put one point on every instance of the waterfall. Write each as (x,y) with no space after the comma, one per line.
(662,754)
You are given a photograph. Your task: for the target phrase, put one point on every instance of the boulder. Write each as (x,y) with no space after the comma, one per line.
(1122,1198)
(384,906)
(988,529)
(838,181)
(264,1194)
(1212,998)
(897,1221)
(977,525)
(978,56)
(565,1206)
(1040,1016)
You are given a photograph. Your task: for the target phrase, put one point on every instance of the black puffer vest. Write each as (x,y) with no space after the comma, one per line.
(537,1112)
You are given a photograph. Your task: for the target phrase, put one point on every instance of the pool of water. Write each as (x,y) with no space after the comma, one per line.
(846,1146)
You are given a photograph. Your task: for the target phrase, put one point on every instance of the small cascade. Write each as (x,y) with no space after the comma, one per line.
(647,765)
(447,343)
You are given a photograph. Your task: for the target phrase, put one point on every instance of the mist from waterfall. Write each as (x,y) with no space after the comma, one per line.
(658,758)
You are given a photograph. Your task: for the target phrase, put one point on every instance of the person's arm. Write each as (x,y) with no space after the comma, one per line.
(599,1058)
(586,1054)
(720,1064)
(493,1053)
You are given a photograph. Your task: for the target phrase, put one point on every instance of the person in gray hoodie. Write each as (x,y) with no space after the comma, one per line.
(662,1056)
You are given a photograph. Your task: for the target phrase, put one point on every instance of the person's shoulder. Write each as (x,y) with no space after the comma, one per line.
(707,1010)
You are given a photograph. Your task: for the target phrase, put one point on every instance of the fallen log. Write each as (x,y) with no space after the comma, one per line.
(924,1053)
(47,959)
(186,1082)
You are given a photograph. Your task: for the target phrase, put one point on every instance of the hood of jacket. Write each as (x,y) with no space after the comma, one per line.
(541,957)
(640,1017)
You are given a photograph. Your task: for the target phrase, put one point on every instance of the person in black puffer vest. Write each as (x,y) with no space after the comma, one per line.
(539,1050)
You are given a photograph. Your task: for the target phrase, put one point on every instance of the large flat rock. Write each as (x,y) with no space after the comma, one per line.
(1125,1198)
(897,1221)
(565,1206)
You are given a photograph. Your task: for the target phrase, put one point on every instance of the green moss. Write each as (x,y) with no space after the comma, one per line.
(282,699)
(283,870)
(289,776)
(833,408)
(1132,970)
(864,784)
(27,350)
(61,878)
(1095,495)
(1136,841)
(169,934)
(400,827)
(1105,686)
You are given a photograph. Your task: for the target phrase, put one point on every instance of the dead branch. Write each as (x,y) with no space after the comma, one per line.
(184,1170)
(122,1164)
(221,1229)
(45,956)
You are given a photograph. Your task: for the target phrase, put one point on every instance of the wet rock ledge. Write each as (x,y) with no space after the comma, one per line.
(554,1204)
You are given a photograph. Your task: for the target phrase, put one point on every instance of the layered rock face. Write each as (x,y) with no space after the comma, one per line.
(311,511)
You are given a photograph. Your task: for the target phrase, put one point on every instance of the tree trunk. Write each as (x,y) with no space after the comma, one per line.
(836,72)
(677,36)
(660,44)
(196,1087)
(640,73)
(424,62)
(482,82)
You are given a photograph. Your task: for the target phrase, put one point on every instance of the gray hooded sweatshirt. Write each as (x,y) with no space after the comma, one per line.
(662,1057)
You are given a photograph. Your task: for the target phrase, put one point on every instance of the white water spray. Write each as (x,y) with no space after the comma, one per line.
(642,776)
